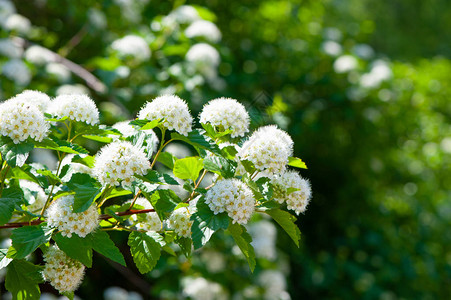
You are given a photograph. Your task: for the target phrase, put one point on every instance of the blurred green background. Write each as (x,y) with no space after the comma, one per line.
(361,85)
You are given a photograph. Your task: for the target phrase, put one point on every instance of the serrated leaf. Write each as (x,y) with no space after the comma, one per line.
(206,223)
(10,198)
(52,178)
(102,244)
(14,154)
(22,280)
(86,189)
(229,152)
(27,239)
(248,166)
(221,166)
(188,168)
(287,222)
(164,202)
(167,159)
(145,124)
(75,247)
(86,160)
(296,162)
(243,241)
(60,145)
(155,177)
(186,245)
(98,138)
(213,132)
(4,261)
(145,251)
(198,140)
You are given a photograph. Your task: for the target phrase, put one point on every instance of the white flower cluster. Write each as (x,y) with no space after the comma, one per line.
(39,55)
(132,45)
(205,29)
(21,119)
(76,107)
(264,235)
(232,196)
(9,48)
(203,54)
(148,221)
(202,289)
(172,109)
(41,100)
(60,215)
(184,14)
(180,222)
(16,70)
(37,196)
(268,149)
(64,273)
(116,163)
(227,113)
(128,130)
(299,197)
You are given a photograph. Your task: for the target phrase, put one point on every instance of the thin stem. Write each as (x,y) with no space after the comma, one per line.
(162,145)
(102,217)
(134,200)
(47,202)
(104,195)
(74,41)
(196,185)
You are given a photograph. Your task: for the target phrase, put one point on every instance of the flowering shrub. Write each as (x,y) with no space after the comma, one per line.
(120,188)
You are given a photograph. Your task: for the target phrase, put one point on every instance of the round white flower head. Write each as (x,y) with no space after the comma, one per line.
(264,235)
(180,222)
(172,109)
(35,97)
(64,273)
(202,289)
(20,119)
(60,215)
(268,149)
(39,55)
(128,130)
(77,107)
(9,48)
(300,195)
(116,163)
(227,114)
(37,196)
(184,14)
(132,45)
(205,29)
(7,8)
(18,23)
(73,89)
(345,64)
(16,70)
(203,54)
(148,221)
(232,196)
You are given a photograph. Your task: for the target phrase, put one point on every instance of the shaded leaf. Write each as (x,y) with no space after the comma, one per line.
(145,251)
(27,239)
(75,247)
(287,222)
(243,241)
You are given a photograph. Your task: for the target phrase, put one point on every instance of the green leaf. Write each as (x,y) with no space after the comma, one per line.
(188,168)
(198,140)
(155,177)
(4,261)
(229,152)
(52,178)
(22,280)
(206,223)
(69,295)
(221,166)
(145,251)
(164,202)
(286,221)
(243,240)
(10,198)
(186,245)
(86,189)
(117,193)
(102,243)
(97,138)
(213,132)
(248,166)
(145,124)
(167,159)
(62,146)
(296,162)
(87,160)
(27,239)
(14,154)
(75,247)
